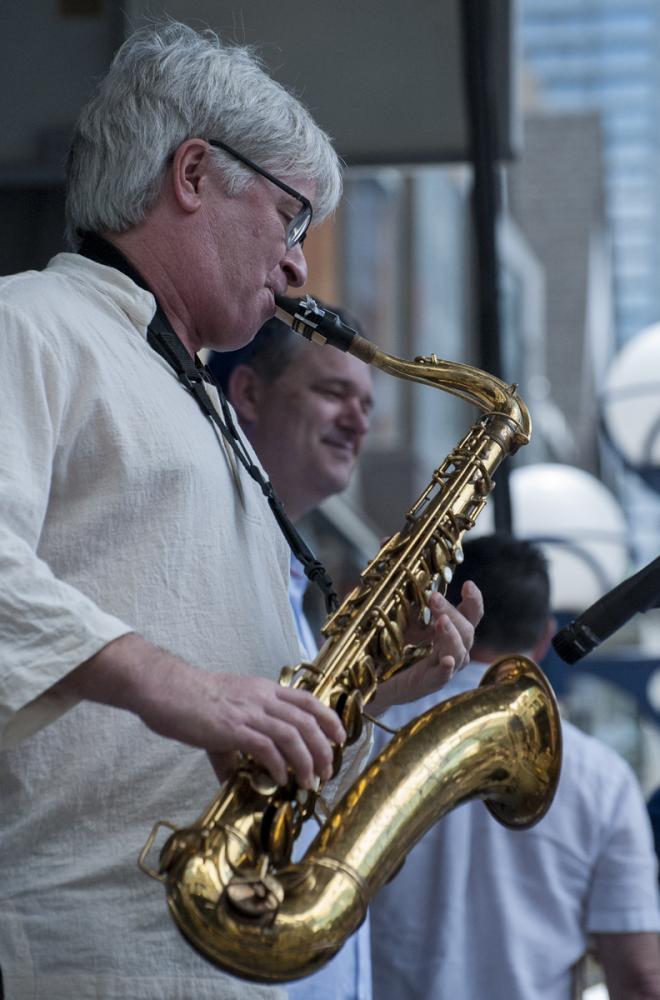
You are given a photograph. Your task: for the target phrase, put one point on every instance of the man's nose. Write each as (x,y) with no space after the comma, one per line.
(294,266)
(355,417)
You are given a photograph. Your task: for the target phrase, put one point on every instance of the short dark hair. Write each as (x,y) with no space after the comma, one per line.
(269,353)
(512,576)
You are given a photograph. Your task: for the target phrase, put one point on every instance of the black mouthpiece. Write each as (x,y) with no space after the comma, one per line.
(316,323)
(289,304)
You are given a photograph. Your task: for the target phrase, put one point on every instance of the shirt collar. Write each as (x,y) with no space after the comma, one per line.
(138,304)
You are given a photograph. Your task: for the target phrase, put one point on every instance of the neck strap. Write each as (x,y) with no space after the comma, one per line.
(192,374)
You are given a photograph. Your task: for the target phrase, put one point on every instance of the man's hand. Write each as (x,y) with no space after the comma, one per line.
(451,633)
(223,714)
(280,727)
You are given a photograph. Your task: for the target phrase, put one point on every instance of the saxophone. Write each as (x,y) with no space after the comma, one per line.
(231,886)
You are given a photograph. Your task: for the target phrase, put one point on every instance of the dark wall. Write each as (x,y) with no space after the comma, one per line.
(31,226)
(51,53)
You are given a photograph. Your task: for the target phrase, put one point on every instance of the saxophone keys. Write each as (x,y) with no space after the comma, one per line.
(348,707)
(262,782)
(443,553)
(255,896)
(306,800)
(279,833)
(438,583)
(362,675)
(402,615)
(337,759)
(390,638)
(286,676)
(439,556)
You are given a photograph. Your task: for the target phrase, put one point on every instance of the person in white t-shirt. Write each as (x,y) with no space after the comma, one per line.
(481,912)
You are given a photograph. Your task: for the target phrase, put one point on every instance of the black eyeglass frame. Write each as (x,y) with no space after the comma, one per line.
(297,227)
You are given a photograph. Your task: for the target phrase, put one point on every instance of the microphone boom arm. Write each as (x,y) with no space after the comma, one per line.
(640,592)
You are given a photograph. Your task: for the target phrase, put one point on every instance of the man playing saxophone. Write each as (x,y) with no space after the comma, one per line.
(191,183)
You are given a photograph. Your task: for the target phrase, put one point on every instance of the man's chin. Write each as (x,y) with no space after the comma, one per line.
(249,323)
(337,479)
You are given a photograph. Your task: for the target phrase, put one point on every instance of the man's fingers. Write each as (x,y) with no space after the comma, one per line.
(267,753)
(455,625)
(472,603)
(302,743)
(318,725)
(452,629)
(327,718)
(442,612)
(279,727)
(437,675)
(301,731)
(277,746)
(451,641)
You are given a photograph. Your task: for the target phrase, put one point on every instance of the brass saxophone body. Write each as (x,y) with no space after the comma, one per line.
(232,888)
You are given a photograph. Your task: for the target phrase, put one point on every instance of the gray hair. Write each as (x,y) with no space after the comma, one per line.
(169,83)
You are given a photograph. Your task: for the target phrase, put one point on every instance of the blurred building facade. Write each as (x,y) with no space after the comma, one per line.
(604,56)
(556,197)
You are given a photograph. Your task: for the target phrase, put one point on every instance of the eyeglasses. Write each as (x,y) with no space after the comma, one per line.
(297,227)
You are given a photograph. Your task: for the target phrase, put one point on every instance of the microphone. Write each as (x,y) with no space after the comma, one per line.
(638,593)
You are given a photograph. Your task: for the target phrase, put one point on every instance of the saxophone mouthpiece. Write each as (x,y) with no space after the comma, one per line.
(316,323)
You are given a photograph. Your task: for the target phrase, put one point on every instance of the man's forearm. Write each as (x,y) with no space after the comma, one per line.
(218,712)
(631,963)
(133,674)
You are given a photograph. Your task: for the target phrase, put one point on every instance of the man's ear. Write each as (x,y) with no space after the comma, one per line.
(244,391)
(190,166)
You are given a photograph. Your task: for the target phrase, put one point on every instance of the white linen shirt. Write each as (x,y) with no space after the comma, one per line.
(119,511)
(479,911)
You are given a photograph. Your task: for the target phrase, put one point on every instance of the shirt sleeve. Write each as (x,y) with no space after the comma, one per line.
(47,627)
(624,891)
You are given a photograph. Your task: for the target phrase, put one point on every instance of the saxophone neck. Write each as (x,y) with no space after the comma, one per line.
(489,393)
(486,391)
